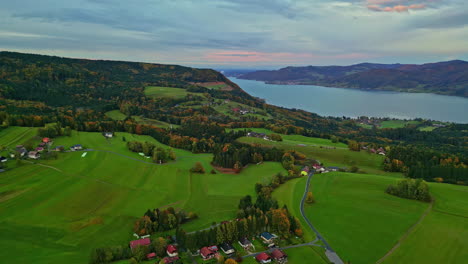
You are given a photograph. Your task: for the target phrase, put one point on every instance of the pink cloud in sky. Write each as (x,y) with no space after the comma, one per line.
(395,5)
(273,57)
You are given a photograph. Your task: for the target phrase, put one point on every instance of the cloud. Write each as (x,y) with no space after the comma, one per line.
(396,5)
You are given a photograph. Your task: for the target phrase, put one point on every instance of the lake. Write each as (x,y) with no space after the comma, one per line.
(327,101)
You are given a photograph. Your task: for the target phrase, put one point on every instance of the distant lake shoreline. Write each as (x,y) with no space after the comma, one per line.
(330,101)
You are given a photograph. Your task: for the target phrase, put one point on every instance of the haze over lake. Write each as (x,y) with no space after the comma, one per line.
(327,101)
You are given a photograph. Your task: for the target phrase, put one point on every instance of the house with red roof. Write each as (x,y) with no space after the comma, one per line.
(170,260)
(209,252)
(140,242)
(151,256)
(263,258)
(171,251)
(279,256)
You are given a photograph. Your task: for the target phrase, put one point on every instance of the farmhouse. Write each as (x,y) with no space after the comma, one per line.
(258,135)
(209,252)
(279,256)
(171,251)
(268,238)
(332,168)
(3,159)
(246,244)
(76,147)
(21,150)
(108,134)
(34,155)
(140,242)
(59,148)
(263,258)
(39,149)
(151,256)
(227,248)
(170,260)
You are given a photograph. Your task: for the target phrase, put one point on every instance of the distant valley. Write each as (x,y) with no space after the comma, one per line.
(448,78)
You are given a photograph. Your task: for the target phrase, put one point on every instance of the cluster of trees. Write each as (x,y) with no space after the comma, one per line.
(425,163)
(236,155)
(54,130)
(274,220)
(198,168)
(161,220)
(410,189)
(116,253)
(110,254)
(158,154)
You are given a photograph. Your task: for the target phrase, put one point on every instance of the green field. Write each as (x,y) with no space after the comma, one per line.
(357,217)
(319,149)
(59,213)
(12,136)
(116,115)
(226,109)
(154,122)
(397,123)
(427,128)
(442,237)
(157,91)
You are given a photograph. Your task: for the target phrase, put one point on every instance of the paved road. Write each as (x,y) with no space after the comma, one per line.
(330,253)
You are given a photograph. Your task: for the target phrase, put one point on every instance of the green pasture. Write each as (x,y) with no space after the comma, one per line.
(442,237)
(158,91)
(116,115)
(357,217)
(59,213)
(331,154)
(397,123)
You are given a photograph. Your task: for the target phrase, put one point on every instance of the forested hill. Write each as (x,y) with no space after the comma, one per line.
(60,81)
(450,78)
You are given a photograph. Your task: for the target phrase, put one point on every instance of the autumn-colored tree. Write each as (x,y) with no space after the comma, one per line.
(354,145)
(280,222)
(197,168)
(159,245)
(230,261)
(310,198)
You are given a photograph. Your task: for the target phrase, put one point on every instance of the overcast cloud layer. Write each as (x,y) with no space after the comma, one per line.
(239,33)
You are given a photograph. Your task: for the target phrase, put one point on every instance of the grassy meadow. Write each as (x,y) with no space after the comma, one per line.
(398,123)
(357,217)
(157,91)
(59,213)
(327,152)
(442,237)
(116,115)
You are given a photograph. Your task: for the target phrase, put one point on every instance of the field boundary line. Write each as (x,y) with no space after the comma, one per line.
(406,234)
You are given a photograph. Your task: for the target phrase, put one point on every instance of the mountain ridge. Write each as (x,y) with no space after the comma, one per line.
(448,77)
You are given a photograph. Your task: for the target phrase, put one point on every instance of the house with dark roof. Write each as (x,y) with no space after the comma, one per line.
(227,248)
(279,256)
(268,238)
(3,159)
(76,147)
(332,168)
(140,242)
(171,251)
(246,244)
(59,148)
(263,258)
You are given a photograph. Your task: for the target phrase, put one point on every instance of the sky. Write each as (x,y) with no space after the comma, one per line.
(239,33)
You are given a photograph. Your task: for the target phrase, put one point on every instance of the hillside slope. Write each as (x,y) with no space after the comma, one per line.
(60,81)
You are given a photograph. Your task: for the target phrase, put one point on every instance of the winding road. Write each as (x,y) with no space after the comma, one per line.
(330,253)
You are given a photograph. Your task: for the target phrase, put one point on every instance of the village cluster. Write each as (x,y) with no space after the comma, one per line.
(214,251)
